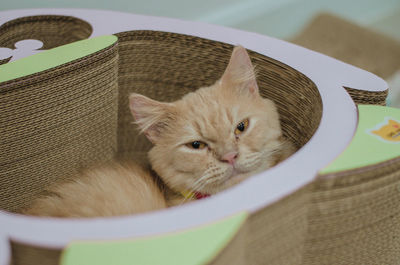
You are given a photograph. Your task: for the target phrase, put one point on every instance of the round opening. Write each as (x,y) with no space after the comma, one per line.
(165,66)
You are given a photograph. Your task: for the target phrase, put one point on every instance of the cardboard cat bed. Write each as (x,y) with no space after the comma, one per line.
(335,201)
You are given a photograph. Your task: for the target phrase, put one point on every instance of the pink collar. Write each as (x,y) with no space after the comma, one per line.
(196,194)
(199,195)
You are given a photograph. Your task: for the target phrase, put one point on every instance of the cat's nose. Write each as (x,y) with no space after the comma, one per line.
(229,157)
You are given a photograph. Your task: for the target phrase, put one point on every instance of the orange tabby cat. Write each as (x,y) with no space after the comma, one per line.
(207,141)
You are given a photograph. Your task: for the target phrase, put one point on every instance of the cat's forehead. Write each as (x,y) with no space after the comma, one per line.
(208,103)
(208,114)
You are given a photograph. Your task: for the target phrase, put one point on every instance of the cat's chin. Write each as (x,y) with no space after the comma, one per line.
(235,175)
(233,179)
(237,178)
(239,175)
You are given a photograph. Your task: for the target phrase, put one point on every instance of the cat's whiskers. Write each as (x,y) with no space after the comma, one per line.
(255,160)
(252,160)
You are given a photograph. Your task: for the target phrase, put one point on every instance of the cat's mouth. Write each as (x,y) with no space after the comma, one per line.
(236,176)
(236,170)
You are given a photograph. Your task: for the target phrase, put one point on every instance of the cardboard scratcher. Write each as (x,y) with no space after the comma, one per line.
(335,201)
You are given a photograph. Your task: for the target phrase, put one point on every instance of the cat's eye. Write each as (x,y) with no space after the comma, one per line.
(242,126)
(196,145)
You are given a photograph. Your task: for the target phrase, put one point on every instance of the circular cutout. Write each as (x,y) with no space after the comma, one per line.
(31,44)
(165,66)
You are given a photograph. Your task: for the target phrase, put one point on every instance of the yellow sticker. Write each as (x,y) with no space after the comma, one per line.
(388,131)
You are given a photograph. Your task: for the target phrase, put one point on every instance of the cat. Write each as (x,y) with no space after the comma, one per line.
(206,142)
(389,132)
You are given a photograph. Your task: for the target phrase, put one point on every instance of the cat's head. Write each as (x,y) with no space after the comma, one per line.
(214,137)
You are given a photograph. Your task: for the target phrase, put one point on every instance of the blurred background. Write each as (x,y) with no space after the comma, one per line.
(277,18)
(364,33)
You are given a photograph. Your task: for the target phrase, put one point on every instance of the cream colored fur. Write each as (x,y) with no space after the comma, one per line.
(109,190)
(210,115)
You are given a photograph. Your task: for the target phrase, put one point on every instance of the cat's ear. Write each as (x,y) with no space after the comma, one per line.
(150,115)
(392,122)
(240,72)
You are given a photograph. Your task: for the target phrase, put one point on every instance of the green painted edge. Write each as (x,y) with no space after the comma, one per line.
(192,247)
(367,148)
(54,57)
